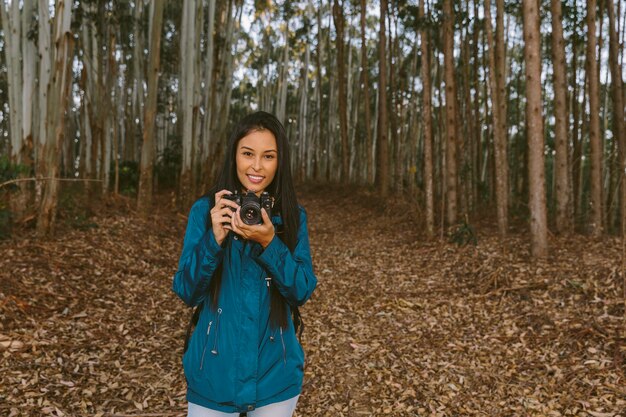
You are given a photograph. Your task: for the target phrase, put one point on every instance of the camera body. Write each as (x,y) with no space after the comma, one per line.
(251,206)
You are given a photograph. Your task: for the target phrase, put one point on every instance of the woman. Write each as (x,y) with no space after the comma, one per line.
(243,355)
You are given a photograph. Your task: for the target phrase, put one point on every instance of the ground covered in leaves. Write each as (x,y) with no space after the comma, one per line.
(398,325)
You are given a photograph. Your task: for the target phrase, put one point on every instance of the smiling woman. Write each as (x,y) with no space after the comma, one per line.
(247,281)
(257,160)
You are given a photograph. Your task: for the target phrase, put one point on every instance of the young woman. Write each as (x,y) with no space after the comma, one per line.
(243,355)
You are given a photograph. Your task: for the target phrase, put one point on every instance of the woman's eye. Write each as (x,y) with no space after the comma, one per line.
(269,156)
(246,153)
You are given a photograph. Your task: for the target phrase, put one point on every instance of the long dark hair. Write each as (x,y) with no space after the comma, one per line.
(281,189)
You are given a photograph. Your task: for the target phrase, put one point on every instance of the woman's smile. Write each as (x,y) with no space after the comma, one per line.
(255,179)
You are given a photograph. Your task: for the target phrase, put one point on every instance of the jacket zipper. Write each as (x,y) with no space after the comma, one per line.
(284,349)
(217,330)
(206,341)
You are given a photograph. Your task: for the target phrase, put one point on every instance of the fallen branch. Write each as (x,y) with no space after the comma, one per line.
(15,181)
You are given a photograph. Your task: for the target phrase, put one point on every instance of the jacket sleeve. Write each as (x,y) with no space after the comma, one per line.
(291,272)
(200,257)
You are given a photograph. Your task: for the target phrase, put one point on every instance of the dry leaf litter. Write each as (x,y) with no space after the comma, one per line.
(398,325)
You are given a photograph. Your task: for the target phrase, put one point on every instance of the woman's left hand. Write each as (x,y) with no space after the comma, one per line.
(261,233)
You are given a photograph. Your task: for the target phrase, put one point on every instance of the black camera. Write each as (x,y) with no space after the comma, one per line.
(251,206)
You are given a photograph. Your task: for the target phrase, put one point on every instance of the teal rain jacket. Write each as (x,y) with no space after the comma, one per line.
(235,360)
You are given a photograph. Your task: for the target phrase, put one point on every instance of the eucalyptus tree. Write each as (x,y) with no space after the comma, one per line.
(499,133)
(534,120)
(339,20)
(382,160)
(563,191)
(369,166)
(57,47)
(594,122)
(21,59)
(451,113)
(144,194)
(619,128)
(427,121)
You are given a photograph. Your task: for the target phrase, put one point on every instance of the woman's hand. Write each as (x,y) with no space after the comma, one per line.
(221,215)
(261,233)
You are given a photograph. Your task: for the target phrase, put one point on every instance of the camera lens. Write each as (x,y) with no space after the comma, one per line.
(251,214)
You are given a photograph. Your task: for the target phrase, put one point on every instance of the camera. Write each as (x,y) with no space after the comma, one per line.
(251,206)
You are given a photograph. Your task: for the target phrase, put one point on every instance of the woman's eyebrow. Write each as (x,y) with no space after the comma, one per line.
(249,148)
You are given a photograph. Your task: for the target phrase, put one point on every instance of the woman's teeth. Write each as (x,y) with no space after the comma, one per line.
(255,179)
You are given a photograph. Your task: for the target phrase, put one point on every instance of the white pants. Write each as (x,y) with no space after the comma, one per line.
(281,409)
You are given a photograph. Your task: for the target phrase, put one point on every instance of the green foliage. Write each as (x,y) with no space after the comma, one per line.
(8,172)
(462,234)
(129,177)
(73,207)
(168,163)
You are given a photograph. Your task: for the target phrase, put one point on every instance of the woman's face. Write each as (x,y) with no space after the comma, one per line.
(257,160)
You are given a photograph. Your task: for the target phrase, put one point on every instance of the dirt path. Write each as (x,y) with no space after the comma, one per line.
(397,326)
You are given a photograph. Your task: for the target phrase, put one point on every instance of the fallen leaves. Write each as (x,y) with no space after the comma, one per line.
(398,325)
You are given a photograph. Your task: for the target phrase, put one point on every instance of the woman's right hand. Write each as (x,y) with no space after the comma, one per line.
(221,214)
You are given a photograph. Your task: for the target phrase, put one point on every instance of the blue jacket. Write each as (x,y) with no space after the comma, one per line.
(235,360)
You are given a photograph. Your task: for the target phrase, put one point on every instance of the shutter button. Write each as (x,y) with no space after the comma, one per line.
(250,407)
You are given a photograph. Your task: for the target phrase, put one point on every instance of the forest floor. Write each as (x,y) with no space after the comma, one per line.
(398,325)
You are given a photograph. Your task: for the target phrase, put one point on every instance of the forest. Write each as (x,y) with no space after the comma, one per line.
(462,163)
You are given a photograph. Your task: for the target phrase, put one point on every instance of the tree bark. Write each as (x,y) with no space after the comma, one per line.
(594,123)
(208,93)
(500,151)
(58,88)
(12,31)
(534,121)
(187,81)
(451,112)
(146,169)
(618,107)
(366,97)
(563,198)
(427,121)
(338,19)
(382,162)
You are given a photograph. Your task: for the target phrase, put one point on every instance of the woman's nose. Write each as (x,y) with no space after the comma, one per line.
(257,165)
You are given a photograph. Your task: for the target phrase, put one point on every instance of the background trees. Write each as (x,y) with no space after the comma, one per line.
(370,92)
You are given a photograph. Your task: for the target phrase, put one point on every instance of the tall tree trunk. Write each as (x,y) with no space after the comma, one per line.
(594,123)
(382,162)
(58,88)
(338,19)
(208,93)
(319,166)
(21,86)
(576,137)
(12,31)
(138,66)
(366,97)
(618,107)
(395,161)
(146,169)
(303,137)
(499,138)
(428,129)
(563,200)
(534,121)
(451,111)
(188,76)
